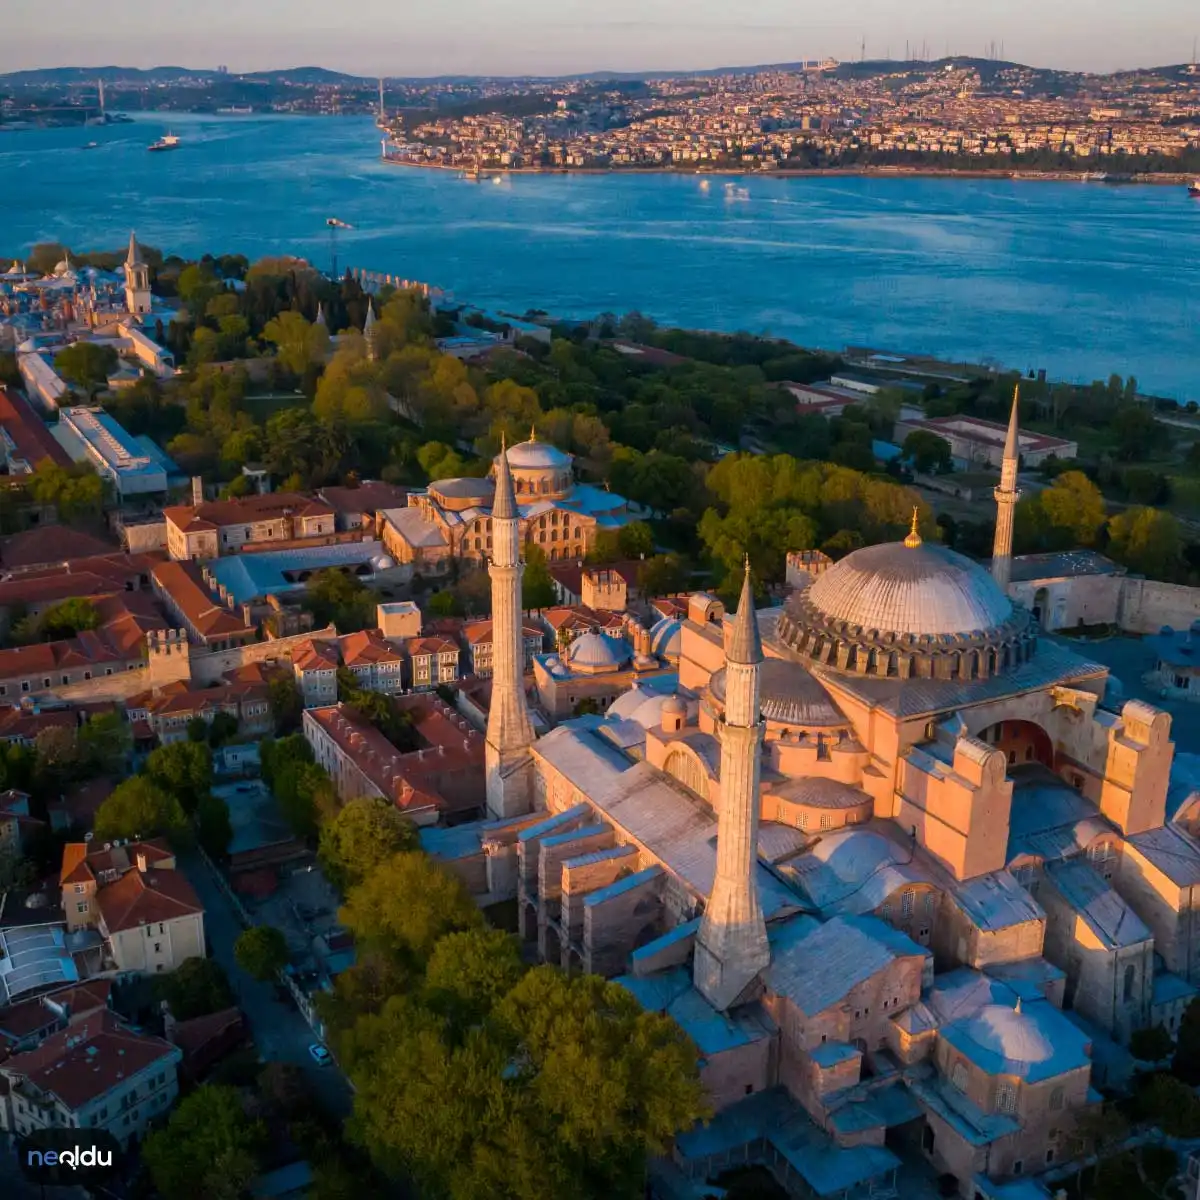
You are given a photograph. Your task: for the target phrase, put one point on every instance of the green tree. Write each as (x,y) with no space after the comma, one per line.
(104,744)
(182,770)
(196,988)
(223,728)
(1140,435)
(139,808)
(566,1089)
(209,1147)
(287,704)
(1148,541)
(300,343)
(537,584)
(469,973)
(1186,1063)
(364,834)
(1069,513)
(337,598)
(197,286)
(87,365)
(1151,1045)
(1172,1105)
(76,492)
(261,951)
(406,905)
(664,575)
(927,452)
(214,830)
(67,618)
(443,604)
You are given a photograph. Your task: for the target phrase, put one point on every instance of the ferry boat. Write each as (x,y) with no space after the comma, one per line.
(168,141)
(1194,188)
(91,146)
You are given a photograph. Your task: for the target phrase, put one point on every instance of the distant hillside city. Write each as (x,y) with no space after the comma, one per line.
(954,113)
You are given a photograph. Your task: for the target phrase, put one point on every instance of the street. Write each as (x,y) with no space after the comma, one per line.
(280,1032)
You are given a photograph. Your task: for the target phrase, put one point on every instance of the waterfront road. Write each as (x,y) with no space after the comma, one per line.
(280,1032)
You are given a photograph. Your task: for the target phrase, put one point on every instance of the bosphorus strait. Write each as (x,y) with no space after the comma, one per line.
(1083,279)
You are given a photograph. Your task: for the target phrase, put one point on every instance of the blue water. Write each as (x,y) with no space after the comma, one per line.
(1082,279)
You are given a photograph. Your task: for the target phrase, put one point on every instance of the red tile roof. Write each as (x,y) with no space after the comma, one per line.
(84,862)
(479,633)
(315,655)
(45,545)
(141,899)
(29,434)
(367,498)
(185,585)
(417,647)
(245,510)
(86,1061)
(369,646)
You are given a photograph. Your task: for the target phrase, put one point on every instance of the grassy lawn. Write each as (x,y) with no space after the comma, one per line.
(267,405)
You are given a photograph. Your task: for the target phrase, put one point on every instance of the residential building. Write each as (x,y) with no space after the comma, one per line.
(143,907)
(432,660)
(315,664)
(168,711)
(376,663)
(98,1074)
(477,635)
(27,442)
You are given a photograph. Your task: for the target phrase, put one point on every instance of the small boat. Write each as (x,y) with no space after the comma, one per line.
(1194,188)
(90,146)
(167,142)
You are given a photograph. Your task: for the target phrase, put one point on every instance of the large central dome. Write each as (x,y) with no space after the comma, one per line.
(923,589)
(907,610)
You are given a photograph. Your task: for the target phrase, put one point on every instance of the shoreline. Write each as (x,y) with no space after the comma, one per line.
(1157,179)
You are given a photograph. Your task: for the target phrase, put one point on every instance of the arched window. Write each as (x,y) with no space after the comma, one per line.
(1006,1098)
(906,903)
(958,1076)
(1130,977)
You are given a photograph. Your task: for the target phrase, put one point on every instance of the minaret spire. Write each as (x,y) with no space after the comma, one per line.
(1007,495)
(508,763)
(914,534)
(732,947)
(370,332)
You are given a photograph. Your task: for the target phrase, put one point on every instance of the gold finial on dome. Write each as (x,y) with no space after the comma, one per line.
(914,537)
(533,433)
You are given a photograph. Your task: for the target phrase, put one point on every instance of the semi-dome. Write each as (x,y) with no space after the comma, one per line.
(596,652)
(382,562)
(907,609)
(537,456)
(666,637)
(789,695)
(924,589)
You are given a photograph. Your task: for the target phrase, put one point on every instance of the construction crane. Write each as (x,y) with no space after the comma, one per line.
(334,225)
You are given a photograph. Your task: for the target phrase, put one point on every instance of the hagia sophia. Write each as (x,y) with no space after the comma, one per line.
(889,857)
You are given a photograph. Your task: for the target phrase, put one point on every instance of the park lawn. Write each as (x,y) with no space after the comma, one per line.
(265,406)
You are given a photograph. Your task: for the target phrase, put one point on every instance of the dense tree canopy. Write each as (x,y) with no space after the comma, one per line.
(87,365)
(182,770)
(139,808)
(261,951)
(366,832)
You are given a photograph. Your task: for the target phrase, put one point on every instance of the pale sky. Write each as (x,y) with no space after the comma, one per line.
(516,37)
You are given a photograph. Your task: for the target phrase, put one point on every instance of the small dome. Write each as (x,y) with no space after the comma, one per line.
(597,652)
(535,455)
(1009,1034)
(383,562)
(790,695)
(666,637)
(675,705)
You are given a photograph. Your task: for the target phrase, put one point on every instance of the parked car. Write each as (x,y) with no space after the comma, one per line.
(319,1054)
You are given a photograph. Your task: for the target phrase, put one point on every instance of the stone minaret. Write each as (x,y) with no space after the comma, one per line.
(509,732)
(320,319)
(370,332)
(137,279)
(1006,499)
(731,948)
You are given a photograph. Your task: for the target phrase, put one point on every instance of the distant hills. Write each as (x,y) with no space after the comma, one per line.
(312,76)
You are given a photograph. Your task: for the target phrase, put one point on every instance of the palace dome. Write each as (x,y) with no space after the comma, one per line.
(666,638)
(923,589)
(537,456)
(789,694)
(908,609)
